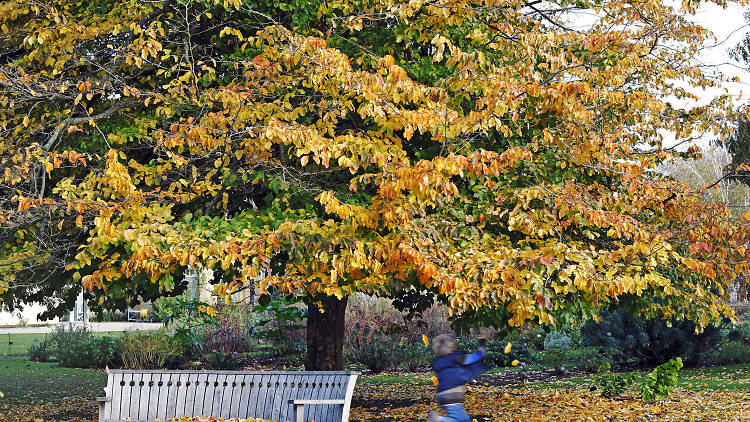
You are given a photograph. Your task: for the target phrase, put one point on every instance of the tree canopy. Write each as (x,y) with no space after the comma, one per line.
(500,154)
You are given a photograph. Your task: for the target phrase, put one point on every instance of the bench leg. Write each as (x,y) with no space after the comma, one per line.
(299,413)
(101,411)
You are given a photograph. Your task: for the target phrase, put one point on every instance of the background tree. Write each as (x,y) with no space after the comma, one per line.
(711,175)
(483,152)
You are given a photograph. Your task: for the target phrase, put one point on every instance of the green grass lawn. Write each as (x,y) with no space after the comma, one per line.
(18,344)
(26,383)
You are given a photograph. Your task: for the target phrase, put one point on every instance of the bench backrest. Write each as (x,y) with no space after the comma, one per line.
(150,395)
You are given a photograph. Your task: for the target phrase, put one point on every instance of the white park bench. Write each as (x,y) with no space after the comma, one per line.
(274,395)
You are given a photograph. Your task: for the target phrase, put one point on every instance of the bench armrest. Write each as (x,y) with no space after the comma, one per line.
(304,402)
(299,406)
(102,404)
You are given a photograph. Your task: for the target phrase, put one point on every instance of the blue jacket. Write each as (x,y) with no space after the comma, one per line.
(451,370)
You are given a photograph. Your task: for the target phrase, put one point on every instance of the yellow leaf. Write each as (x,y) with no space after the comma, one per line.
(507,348)
(25,121)
(425,340)
(434,380)
(515,362)
(79,220)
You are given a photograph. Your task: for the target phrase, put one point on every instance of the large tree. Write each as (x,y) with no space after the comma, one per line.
(497,155)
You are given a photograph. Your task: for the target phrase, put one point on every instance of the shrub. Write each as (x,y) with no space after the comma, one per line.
(557,340)
(432,322)
(165,308)
(94,352)
(223,361)
(372,311)
(230,331)
(648,342)
(613,385)
(185,326)
(734,352)
(281,323)
(587,358)
(109,348)
(413,355)
(555,358)
(76,347)
(740,332)
(661,381)
(149,351)
(373,349)
(40,351)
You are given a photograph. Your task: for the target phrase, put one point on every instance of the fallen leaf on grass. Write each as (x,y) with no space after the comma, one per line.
(389,403)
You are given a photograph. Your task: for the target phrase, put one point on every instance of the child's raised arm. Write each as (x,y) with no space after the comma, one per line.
(479,354)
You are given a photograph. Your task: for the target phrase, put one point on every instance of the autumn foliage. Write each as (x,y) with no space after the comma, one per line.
(485,151)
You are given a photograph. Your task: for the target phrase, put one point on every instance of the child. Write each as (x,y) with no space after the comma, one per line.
(454,369)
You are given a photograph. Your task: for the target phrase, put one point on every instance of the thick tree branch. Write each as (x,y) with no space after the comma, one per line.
(78,120)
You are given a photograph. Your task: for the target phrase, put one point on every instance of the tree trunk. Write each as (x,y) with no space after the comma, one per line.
(325,333)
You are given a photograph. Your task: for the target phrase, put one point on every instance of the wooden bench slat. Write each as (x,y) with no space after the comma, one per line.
(290,391)
(127,395)
(144,396)
(210,391)
(153,396)
(226,396)
(237,393)
(163,396)
(218,390)
(320,410)
(338,394)
(306,394)
(114,389)
(263,394)
(191,394)
(135,396)
(277,402)
(172,395)
(178,392)
(253,398)
(317,395)
(244,396)
(200,394)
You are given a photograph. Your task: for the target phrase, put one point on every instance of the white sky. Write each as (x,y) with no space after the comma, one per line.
(729,27)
